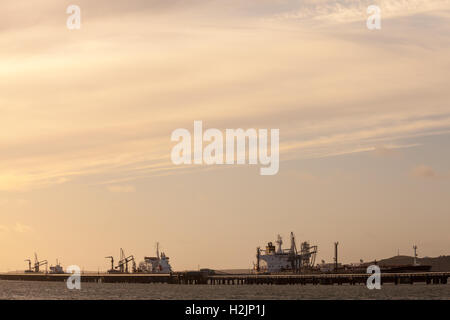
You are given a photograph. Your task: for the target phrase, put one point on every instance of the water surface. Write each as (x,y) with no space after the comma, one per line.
(58,290)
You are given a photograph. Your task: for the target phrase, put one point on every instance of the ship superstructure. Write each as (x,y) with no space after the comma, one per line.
(158,264)
(276,259)
(57,268)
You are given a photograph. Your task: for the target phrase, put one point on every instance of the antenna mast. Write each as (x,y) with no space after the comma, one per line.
(415,255)
(336,256)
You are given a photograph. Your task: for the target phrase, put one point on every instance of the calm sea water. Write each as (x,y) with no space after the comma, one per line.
(58,290)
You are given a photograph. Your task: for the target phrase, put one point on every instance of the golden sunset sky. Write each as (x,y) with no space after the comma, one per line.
(86,118)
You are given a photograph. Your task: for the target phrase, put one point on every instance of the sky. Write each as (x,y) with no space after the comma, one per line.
(86,118)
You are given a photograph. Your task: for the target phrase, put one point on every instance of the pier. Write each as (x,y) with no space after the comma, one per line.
(331,279)
(197,277)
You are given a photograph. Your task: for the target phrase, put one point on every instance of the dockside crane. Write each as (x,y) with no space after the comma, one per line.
(123,264)
(112,262)
(305,258)
(29,265)
(294,257)
(38,263)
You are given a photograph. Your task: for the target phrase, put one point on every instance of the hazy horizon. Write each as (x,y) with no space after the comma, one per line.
(87,116)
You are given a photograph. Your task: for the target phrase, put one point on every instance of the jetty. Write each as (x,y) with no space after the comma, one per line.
(205,278)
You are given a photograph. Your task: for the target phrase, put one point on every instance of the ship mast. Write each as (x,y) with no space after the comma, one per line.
(258,256)
(293,246)
(279,243)
(157,249)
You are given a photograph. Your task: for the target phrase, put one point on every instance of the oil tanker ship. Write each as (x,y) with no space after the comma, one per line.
(274,259)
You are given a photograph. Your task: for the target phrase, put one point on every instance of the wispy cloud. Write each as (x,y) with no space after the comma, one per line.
(18,228)
(19,202)
(121,188)
(390,150)
(356,10)
(22,228)
(424,171)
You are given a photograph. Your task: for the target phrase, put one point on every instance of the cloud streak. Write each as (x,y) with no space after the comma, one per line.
(423,171)
(17,228)
(356,10)
(121,189)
